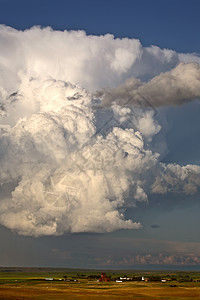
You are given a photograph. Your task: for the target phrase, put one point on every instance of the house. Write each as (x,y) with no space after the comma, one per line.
(125,278)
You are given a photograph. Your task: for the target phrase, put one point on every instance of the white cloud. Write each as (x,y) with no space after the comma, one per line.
(76,168)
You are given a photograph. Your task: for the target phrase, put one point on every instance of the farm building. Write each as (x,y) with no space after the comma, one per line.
(104,278)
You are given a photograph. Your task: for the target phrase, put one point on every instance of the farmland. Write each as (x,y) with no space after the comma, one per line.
(32,283)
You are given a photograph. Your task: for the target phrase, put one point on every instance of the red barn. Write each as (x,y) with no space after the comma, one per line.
(104,278)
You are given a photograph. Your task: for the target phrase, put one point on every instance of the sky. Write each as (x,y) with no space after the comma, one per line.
(99,144)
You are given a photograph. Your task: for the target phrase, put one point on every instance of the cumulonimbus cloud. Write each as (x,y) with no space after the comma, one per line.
(65,165)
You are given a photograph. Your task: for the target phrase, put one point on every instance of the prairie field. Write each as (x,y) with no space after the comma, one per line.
(31,284)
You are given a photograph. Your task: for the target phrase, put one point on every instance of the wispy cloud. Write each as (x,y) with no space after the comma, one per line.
(149,259)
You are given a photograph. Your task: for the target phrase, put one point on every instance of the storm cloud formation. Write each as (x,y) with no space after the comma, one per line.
(65,164)
(174,87)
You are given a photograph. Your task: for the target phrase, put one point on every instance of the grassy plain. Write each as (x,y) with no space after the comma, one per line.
(30,283)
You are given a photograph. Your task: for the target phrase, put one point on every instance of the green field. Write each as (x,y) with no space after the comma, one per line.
(30,283)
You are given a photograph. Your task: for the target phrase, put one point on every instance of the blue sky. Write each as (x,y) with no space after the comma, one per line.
(167,24)
(171,222)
